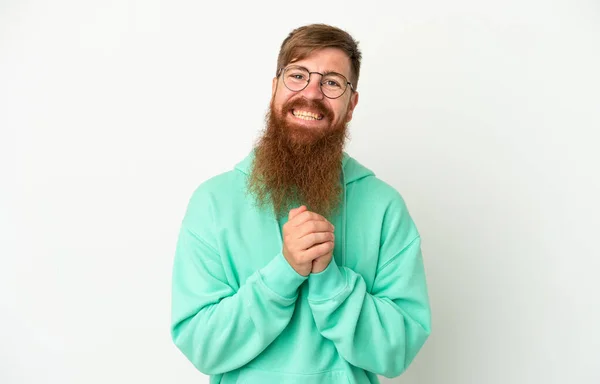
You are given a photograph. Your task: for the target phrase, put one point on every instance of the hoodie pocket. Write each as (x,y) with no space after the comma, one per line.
(256,376)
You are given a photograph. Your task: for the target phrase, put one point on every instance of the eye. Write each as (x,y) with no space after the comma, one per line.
(296,76)
(332,83)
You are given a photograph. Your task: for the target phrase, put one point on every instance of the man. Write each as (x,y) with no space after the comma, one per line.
(300,266)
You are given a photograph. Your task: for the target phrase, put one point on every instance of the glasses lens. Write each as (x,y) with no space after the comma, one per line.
(333,85)
(295,78)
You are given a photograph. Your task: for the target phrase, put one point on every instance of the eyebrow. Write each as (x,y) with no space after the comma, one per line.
(326,72)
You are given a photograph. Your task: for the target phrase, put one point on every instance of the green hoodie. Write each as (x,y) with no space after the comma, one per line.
(242,314)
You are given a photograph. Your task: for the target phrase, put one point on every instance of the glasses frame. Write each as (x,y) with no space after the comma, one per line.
(283,69)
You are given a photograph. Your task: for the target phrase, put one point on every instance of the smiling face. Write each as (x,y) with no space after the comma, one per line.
(298,159)
(309,109)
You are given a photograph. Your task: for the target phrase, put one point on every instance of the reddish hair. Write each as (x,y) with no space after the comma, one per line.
(304,40)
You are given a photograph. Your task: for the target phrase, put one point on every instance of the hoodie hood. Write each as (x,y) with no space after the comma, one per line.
(352,170)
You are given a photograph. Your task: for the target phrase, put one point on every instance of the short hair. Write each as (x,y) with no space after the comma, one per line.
(302,41)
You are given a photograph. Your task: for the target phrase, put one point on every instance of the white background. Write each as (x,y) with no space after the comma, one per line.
(484,115)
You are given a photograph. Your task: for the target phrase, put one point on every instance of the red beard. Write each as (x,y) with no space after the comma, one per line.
(297,165)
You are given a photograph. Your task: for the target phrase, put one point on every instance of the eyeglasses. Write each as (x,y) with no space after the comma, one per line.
(332,84)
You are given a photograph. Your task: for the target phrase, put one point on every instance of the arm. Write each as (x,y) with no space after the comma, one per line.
(383,330)
(217,328)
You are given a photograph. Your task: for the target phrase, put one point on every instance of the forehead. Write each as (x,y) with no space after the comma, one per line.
(326,60)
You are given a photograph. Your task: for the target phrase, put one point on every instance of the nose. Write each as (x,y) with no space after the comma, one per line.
(313,89)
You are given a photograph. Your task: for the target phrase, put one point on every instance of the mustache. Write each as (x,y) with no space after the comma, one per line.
(314,105)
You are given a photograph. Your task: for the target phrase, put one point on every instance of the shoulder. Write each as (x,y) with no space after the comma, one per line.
(380,188)
(377,193)
(206,198)
(217,184)
(377,201)
(363,180)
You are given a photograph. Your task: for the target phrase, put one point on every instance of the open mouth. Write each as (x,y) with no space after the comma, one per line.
(306,115)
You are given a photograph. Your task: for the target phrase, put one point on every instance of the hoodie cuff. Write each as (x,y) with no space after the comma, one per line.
(326,284)
(281,278)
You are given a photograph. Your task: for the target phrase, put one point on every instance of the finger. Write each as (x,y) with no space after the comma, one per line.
(312,226)
(295,212)
(318,250)
(315,238)
(315,261)
(318,258)
(305,216)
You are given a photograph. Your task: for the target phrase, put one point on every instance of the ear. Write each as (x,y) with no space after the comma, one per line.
(351,106)
(274,87)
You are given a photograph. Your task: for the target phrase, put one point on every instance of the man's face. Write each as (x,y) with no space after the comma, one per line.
(298,159)
(296,108)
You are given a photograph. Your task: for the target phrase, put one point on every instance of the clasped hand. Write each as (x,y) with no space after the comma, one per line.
(308,241)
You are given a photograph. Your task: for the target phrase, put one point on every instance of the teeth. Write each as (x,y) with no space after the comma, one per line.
(305,115)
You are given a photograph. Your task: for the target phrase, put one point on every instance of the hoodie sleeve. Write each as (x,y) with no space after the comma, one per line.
(380,331)
(217,327)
